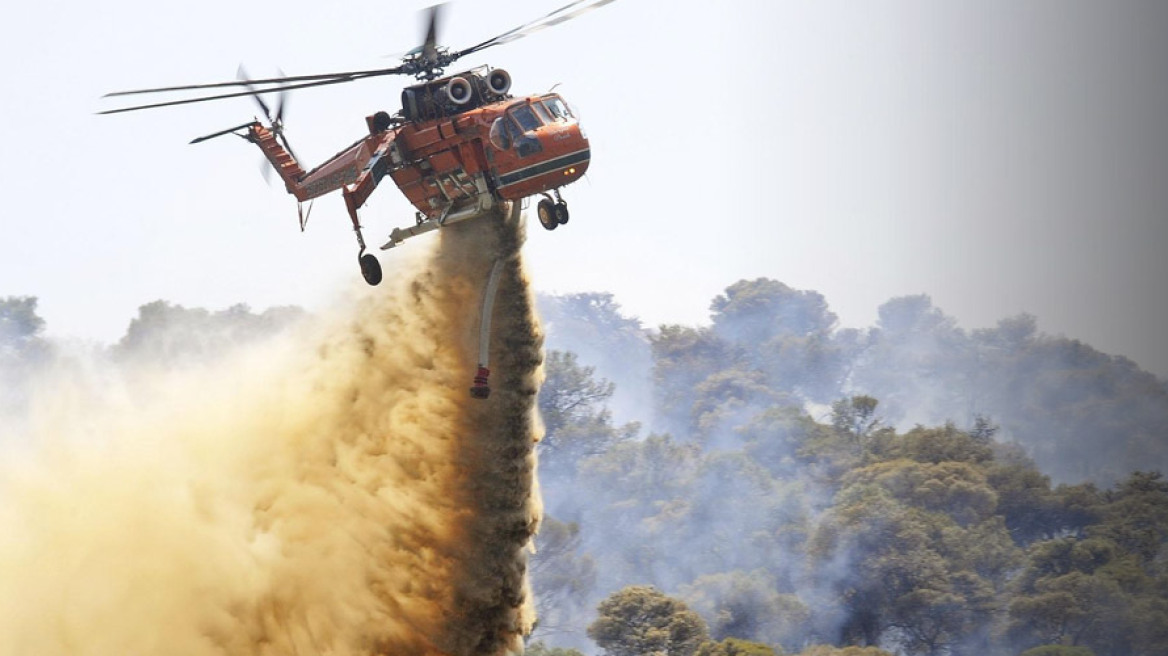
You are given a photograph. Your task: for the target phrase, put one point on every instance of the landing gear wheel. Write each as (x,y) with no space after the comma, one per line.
(548,216)
(561,212)
(370,268)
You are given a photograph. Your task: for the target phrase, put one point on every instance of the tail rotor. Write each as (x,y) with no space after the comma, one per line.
(275,120)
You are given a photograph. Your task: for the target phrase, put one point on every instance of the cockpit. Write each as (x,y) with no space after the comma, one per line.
(524,117)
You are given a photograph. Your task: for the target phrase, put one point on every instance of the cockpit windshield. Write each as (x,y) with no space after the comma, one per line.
(558,108)
(526,118)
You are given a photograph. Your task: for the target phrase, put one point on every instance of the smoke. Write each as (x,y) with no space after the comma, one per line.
(336,491)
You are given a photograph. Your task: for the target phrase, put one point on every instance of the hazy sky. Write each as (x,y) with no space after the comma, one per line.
(1000,156)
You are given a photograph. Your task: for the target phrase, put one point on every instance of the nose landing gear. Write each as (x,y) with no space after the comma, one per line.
(552,214)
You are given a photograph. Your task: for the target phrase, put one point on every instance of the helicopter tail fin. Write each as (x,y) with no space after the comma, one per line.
(280,158)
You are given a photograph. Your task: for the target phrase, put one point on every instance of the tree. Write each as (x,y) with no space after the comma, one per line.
(22,348)
(1103,588)
(570,393)
(20,325)
(1058,650)
(787,334)
(642,621)
(165,334)
(855,417)
(735,647)
(850,441)
(639,491)
(593,326)
(577,423)
(827,650)
(1135,516)
(561,576)
(927,558)
(747,605)
(774,437)
(21,344)
(538,648)
(918,362)
(757,311)
(682,359)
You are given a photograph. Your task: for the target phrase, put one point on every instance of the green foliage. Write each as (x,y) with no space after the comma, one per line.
(957,489)
(593,323)
(164,334)
(569,393)
(641,621)
(1025,500)
(22,348)
(757,311)
(774,437)
(561,574)
(855,417)
(1135,515)
(787,335)
(937,445)
(682,359)
(538,648)
(577,423)
(1058,650)
(21,344)
(784,528)
(928,558)
(748,605)
(19,321)
(736,647)
(827,650)
(1106,589)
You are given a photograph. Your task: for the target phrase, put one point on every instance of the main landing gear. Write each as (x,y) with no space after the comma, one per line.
(370,267)
(552,214)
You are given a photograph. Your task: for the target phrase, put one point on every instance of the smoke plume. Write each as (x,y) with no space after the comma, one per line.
(335,493)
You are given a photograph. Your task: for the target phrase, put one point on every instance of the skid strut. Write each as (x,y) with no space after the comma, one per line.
(481,389)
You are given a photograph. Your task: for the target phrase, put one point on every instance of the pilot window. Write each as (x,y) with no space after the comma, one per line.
(503,133)
(544,116)
(557,107)
(526,118)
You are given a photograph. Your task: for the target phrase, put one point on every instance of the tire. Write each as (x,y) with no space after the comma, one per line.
(561,212)
(370,269)
(546,211)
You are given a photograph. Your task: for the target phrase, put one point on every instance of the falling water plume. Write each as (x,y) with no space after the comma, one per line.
(338,493)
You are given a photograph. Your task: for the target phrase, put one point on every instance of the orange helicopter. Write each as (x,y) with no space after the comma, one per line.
(459,145)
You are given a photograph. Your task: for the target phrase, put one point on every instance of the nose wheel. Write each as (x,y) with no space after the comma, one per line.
(552,214)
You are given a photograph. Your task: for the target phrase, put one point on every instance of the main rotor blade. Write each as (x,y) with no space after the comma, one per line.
(305,85)
(272,80)
(241,74)
(281,103)
(222,132)
(556,17)
(431,40)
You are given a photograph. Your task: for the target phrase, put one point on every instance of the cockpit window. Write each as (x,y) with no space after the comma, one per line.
(558,108)
(501,133)
(526,118)
(542,111)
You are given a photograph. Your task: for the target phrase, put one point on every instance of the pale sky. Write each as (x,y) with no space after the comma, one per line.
(1002,157)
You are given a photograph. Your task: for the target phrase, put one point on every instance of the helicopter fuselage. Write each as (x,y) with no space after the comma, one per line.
(449,158)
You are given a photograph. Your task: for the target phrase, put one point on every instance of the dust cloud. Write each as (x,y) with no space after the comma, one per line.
(337,493)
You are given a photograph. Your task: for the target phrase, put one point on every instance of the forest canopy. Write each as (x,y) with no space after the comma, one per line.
(773,483)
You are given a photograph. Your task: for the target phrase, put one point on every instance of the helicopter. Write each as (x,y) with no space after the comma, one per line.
(459,146)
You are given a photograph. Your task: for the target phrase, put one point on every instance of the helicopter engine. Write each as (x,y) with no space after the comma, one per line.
(499,81)
(458,91)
